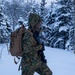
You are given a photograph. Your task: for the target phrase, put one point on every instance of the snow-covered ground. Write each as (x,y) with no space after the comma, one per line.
(61,62)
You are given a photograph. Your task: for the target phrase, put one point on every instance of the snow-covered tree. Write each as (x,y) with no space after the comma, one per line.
(59,21)
(66,26)
(17,8)
(42,8)
(51,27)
(74,27)
(4,28)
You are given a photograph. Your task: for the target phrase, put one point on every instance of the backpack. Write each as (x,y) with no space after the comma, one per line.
(15,44)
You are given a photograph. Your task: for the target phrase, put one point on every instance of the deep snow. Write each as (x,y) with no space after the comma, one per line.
(60,61)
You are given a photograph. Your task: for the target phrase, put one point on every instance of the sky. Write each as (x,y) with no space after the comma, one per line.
(61,62)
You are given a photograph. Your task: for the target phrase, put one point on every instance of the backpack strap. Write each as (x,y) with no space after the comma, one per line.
(16,62)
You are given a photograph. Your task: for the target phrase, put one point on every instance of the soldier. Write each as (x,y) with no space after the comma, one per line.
(31,59)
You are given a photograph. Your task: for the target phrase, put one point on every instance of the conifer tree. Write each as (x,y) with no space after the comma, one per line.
(51,29)
(66,25)
(60,22)
(4,28)
(42,8)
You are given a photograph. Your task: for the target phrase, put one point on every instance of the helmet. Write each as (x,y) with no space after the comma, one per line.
(34,19)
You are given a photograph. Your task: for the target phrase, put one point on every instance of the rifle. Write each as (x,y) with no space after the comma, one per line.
(40,52)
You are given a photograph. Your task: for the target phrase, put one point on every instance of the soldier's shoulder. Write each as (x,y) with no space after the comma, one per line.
(28,34)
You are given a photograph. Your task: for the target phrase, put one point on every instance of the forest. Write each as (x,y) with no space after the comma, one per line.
(58,20)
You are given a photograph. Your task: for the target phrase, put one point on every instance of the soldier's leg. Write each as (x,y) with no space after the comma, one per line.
(44,70)
(27,71)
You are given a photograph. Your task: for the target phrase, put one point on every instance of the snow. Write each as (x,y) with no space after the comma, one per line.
(61,62)
(63,28)
(56,24)
(59,39)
